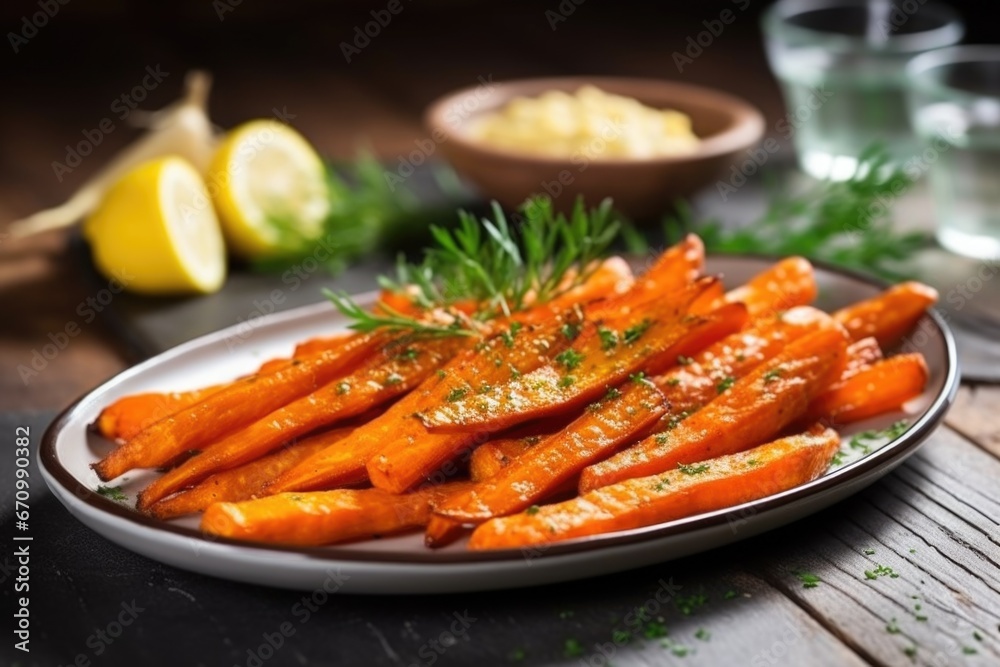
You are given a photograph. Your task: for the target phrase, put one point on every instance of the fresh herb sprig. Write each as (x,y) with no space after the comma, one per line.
(500,266)
(845,223)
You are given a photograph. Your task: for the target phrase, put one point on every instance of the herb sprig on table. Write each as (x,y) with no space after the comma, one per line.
(499,266)
(845,223)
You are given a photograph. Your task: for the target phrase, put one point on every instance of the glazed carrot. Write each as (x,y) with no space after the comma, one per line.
(860,355)
(324,517)
(641,340)
(126,417)
(754,409)
(786,284)
(399,433)
(890,315)
(882,387)
(232,408)
(390,374)
(623,415)
(245,481)
(681,492)
(489,458)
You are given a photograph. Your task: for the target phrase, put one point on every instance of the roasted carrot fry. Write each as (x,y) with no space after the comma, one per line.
(753,410)
(788,283)
(324,517)
(380,379)
(126,417)
(624,414)
(890,315)
(232,408)
(597,359)
(701,487)
(882,387)
(245,481)
(399,433)
(489,458)
(860,355)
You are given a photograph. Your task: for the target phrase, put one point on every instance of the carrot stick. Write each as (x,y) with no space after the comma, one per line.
(380,379)
(324,517)
(860,355)
(400,434)
(126,417)
(702,487)
(754,409)
(622,415)
(489,458)
(245,481)
(882,387)
(784,285)
(232,408)
(600,358)
(890,315)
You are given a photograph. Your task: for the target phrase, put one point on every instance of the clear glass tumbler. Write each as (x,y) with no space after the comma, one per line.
(954,99)
(840,64)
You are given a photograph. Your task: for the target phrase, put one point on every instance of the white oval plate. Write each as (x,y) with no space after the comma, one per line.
(401,564)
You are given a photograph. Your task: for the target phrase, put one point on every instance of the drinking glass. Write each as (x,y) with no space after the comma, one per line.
(840,65)
(954,101)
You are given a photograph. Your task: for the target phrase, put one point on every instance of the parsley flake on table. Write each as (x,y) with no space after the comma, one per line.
(808,580)
(114,493)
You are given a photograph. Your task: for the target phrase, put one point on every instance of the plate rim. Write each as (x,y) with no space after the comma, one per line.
(885,457)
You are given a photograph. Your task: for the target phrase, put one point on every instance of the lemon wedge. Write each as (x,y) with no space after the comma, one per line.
(269,188)
(156,232)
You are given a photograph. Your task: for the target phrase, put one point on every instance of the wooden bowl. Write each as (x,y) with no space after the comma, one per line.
(640,187)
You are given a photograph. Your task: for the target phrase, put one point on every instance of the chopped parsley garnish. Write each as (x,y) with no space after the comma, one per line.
(508,336)
(730,594)
(572,648)
(662,484)
(114,493)
(637,377)
(688,605)
(863,440)
(673,382)
(613,393)
(609,338)
(869,551)
(911,652)
(531,511)
(634,333)
(456,394)
(969,650)
(703,634)
(621,636)
(441,374)
(343,388)
(881,571)
(654,630)
(570,358)
(570,331)
(772,375)
(837,458)
(753,463)
(661,438)
(892,628)
(566,381)
(726,383)
(808,580)
(975,635)
(692,469)
(485,388)
(408,354)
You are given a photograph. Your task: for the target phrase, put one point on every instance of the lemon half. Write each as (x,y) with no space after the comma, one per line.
(269,188)
(157,233)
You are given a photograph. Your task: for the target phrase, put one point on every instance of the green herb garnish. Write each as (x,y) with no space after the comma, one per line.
(570,358)
(635,332)
(456,394)
(808,580)
(725,384)
(609,338)
(114,493)
(692,469)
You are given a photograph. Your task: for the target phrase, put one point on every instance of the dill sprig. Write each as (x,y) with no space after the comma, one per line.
(391,320)
(846,223)
(501,265)
(505,265)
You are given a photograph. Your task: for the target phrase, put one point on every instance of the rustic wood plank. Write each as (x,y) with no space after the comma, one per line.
(975,415)
(934,522)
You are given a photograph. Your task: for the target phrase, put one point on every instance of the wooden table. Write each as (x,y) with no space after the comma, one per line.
(934,521)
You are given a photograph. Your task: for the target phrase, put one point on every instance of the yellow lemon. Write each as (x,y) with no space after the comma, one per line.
(156,231)
(269,188)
